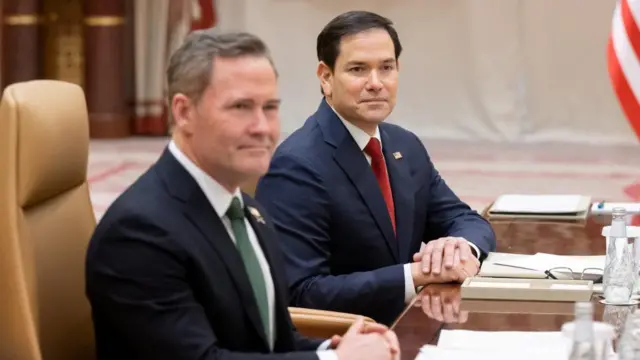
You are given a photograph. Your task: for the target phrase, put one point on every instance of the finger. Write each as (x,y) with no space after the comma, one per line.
(417,303)
(465,250)
(436,308)
(374,328)
(456,258)
(426,306)
(426,257)
(391,337)
(356,327)
(449,252)
(464,317)
(436,258)
(448,314)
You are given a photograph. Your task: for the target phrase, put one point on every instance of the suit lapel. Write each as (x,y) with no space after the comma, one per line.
(354,164)
(200,212)
(403,194)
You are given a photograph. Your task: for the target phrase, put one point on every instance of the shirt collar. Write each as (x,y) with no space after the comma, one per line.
(360,136)
(219,197)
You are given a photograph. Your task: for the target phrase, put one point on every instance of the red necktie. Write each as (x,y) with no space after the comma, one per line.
(379,167)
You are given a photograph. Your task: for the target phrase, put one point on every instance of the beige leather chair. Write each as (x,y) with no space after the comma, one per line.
(46,220)
(322,323)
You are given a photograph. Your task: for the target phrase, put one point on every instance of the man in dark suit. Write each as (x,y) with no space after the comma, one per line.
(185,266)
(353,198)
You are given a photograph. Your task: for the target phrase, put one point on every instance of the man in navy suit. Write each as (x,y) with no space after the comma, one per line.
(185,266)
(353,198)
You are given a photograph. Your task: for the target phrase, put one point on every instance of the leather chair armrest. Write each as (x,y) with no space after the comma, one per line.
(322,323)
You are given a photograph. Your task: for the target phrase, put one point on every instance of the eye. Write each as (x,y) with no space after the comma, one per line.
(242,106)
(356,69)
(271,107)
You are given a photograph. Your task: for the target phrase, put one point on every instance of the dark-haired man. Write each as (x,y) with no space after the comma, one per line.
(353,198)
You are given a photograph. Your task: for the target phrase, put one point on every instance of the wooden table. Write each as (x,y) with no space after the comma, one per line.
(440,307)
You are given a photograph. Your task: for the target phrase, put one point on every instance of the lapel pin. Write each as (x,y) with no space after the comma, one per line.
(256,214)
(397,155)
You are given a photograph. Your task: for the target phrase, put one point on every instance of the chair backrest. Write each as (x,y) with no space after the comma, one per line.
(46,220)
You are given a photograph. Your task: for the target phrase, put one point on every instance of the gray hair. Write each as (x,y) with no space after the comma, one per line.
(191,66)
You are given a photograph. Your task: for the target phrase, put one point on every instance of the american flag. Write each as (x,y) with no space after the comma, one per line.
(623,54)
(206,15)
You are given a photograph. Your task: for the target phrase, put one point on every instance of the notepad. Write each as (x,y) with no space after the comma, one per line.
(551,207)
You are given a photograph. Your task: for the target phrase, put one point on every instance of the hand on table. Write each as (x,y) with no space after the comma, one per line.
(447,259)
(441,302)
(366,341)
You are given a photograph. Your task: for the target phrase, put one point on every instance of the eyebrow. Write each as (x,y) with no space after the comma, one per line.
(356,62)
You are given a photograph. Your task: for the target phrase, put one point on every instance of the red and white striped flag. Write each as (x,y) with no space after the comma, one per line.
(206,15)
(623,59)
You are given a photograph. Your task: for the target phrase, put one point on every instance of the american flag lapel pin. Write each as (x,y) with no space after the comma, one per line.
(256,214)
(397,155)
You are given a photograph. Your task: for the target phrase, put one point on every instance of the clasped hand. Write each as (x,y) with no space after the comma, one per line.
(448,259)
(366,341)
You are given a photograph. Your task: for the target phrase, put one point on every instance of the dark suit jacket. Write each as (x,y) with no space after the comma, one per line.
(340,249)
(165,281)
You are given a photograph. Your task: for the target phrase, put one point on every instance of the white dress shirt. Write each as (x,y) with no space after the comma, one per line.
(220,200)
(362,139)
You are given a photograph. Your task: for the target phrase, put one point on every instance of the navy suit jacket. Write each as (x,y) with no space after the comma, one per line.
(165,280)
(340,249)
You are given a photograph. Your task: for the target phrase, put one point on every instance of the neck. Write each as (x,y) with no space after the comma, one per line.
(365,126)
(229,183)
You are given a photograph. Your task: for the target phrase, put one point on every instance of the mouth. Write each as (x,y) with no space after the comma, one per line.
(373,101)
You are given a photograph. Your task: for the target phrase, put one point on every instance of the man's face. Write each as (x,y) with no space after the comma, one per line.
(364,82)
(234,128)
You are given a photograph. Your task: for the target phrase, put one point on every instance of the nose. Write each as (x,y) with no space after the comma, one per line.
(261,123)
(374,83)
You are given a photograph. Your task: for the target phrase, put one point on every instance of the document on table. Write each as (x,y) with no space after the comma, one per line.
(541,204)
(542,262)
(497,345)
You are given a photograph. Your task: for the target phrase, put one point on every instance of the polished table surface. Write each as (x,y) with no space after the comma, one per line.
(440,307)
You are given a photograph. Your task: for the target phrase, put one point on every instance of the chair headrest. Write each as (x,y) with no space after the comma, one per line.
(49,128)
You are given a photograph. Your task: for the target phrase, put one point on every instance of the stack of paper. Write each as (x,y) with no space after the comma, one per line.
(541,206)
(497,345)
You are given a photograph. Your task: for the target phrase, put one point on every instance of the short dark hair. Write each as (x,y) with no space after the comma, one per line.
(350,23)
(191,65)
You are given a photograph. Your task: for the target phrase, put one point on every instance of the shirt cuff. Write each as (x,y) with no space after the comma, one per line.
(409,286)
(325,345)
(475,248)
(327,355)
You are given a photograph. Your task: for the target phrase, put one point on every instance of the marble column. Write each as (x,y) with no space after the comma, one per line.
(22,41)
(105,86)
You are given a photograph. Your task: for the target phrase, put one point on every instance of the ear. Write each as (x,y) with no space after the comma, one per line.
(183,110)
(325,75)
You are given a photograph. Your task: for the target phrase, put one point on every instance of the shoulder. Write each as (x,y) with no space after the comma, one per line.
(142,213)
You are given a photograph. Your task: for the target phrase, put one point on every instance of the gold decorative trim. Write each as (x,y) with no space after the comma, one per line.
(22,19)
(104,20)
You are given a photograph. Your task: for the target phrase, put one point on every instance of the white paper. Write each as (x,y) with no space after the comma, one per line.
(543,262)
(497,345)
(487,340)
(538,204)
(429,352)
(607,208)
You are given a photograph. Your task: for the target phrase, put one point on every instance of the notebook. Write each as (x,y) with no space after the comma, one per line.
(553,207)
